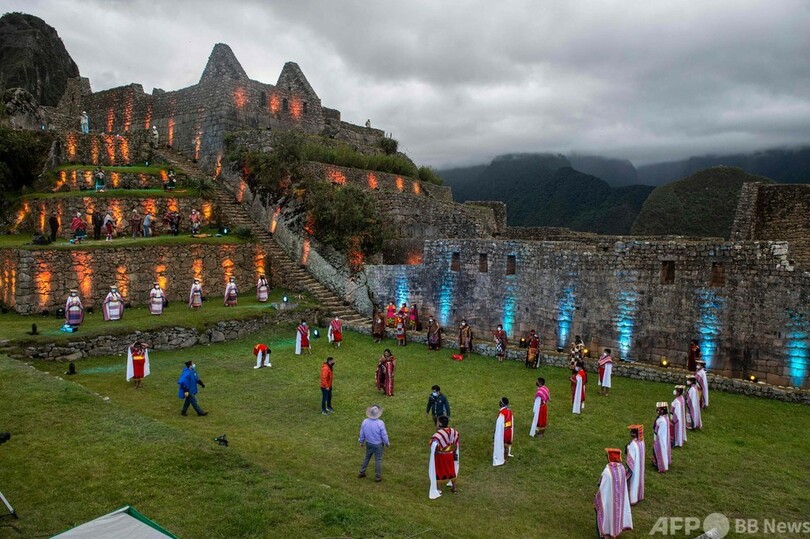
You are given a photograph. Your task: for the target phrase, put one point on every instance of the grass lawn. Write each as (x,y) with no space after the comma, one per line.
(130,170)
(113,193)
(89,444)
(15,327)
(24,241)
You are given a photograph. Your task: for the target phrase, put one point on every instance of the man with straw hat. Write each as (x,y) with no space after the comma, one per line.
(375,437)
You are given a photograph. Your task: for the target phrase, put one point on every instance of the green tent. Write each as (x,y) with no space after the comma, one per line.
(125,522)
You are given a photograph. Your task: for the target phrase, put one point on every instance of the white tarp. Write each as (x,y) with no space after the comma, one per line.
(123,523)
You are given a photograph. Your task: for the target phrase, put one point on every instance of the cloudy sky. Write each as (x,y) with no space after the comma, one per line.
(460,82)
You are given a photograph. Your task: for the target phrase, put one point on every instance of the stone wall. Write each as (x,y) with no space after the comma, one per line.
(546,233)
(34,214)
(34,280)
(126,148)
(78,180)
(498,209)
(644,299)
(167,338)
(783,213)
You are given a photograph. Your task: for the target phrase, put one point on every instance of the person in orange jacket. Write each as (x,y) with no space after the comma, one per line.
(327,373)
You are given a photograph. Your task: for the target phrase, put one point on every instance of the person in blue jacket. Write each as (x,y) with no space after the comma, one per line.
(188,382)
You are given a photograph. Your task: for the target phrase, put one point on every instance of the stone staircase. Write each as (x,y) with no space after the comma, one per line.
(237,217)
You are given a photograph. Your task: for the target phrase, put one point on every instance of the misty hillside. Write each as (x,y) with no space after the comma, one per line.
(701,205)
(544,190)
(781,165)
(616,172)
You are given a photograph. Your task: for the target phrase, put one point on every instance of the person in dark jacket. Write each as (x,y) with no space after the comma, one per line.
(437,404)
(98,222)
(188,382)
(53,223)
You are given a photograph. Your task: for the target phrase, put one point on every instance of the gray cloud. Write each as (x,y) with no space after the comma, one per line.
(459,82)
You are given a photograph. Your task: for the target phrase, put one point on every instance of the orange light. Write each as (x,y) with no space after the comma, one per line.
(71,146)
(148,118)
(164,176)
(305,253)
(123,149)
(150,206)
(240,191)
(274,219)
(94,151)
(160,276)
(414,258)
(400,184)
(109,144)
(122,279)
(115,179)
(355,256)
(143,180)
(274,104)
(227,270)
(372,181)
(21,214)
(42,284)
(87,176)
(42,211)
(218,169)
(127,111)
(170,135)
(296,107)
(417,190)
(239,97)
(62,180)
(197,143)
(197,268)
(110,119)
(171,204)
(309,225)
(207,210)
(117,212)
(8,280)
(83,266)
(261,262)
(335,176)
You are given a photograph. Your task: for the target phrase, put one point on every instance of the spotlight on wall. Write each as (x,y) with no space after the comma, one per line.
(316,333)
(664,362)
(753,379)
(45,313)
(559,349)
(586,352)
(60,313)
(523,343)
(285,299)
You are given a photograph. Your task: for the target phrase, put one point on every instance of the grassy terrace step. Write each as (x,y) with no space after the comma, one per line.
(15,327)
(113,193)
(153,171)
(291,472)
(23,241)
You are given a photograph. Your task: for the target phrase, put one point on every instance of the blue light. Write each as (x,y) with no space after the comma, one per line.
(709,327)
(566,304)
(624,320)
(797,346)
(447,291)
(402,288)
(509,304)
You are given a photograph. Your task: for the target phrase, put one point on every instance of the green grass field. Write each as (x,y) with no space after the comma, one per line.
(82,446)
(24,241)
(15,327)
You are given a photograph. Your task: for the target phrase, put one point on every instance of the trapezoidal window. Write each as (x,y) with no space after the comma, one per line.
(455,262)
(667,272)
(263,101)
(305,109)
(285,105)
(718,274)
(483,264)
(510,264)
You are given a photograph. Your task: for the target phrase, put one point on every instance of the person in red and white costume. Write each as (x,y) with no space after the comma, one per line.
(444,458)
(302,338)
(335,333)
(541,398)
(503,434)
(612,502)
(605,372)
(262,353)
(137,363)
(578,381)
